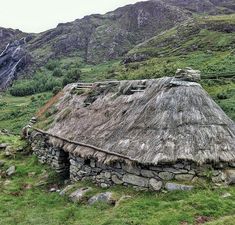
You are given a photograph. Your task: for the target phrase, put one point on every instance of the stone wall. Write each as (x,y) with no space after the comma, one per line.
(143,177)
(55,157)
(136,175)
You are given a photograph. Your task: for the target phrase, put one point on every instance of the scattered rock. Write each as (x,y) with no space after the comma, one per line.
(104,185)
(33,120)
(19,150)
(135,180)
(175,186)
(53,190)
(78,195)
(3,146)
(66,190)
(230,176)
(226,195)
(6,182)
(155,185)
(106,197)
(11,170)
(9,151)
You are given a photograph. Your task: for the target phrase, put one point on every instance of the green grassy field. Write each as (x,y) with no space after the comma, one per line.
(208,50)
(15,112)
(37,206)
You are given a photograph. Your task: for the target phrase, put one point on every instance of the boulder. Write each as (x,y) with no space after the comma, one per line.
(106,197)
(3,146)
(135,180)
(66,190)
(78,195)
(9,151)
(230,176)
(11,170)
(175,187)
(104,185)
(155,185)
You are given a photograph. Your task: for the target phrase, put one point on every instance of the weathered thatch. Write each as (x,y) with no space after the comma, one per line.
(148,121)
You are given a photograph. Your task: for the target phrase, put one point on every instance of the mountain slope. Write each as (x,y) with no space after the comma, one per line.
(210,33)
(98,38)
(9,35)
(205,6)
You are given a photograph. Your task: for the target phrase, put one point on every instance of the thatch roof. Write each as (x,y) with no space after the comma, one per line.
(149,121)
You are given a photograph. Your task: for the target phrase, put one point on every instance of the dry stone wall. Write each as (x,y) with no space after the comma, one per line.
(171,177)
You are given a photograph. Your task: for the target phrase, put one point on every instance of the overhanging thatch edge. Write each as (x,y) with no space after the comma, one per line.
(86,145)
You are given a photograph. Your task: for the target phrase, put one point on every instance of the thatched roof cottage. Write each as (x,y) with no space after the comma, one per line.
(143,133)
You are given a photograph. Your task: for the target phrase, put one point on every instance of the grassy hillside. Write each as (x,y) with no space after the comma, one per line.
(25,199)
(15,112)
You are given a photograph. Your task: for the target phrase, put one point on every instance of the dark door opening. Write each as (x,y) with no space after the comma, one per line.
(64,164)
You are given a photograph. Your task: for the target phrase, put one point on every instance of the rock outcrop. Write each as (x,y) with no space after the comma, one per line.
(8,35)
(99,38)
(13,59)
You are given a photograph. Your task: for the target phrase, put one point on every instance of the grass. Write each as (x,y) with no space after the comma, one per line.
(15,112)
(38,206)
(224,94)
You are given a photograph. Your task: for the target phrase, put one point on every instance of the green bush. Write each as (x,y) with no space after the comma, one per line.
(222,96)
(51,65)
(57,73)
(72,76)
(40,83)
(56,90)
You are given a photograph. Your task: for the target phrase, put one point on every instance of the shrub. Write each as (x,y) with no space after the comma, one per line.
(40,83)
(51,65)
(72,76)
(57,73)
(56,90)
(222,96)
(33,99)
(51,111)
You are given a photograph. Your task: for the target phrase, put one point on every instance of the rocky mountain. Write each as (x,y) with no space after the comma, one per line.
(210,34)
(204,6)
(13,59)
(8,35)
(99,38)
